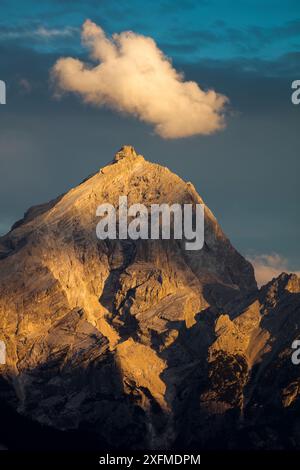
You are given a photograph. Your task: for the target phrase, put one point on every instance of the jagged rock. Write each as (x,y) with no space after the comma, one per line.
(141,343)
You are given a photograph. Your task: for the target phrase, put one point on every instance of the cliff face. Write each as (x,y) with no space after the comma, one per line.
(142,343)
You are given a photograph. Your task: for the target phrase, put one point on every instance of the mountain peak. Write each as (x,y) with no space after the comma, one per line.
(127,151)
(114,311)
(284,283)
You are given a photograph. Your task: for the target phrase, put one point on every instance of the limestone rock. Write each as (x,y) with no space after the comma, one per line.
(141,344)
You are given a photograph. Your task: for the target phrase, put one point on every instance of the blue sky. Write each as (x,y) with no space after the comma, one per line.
(249,50)
(187,29)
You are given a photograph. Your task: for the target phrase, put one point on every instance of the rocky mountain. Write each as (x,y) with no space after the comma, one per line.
(142,344)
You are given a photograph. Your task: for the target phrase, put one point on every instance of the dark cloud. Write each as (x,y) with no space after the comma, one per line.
(171,6)
(253,38)
(247,40)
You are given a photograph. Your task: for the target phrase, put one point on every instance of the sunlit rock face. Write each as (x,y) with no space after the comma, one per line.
(142,344)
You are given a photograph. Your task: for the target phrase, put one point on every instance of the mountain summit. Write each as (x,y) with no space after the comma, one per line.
(127,151)
(141,343)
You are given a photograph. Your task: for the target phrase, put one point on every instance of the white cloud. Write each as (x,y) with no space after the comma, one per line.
(39,33)
(268,266)
(132,75)
(49,33)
